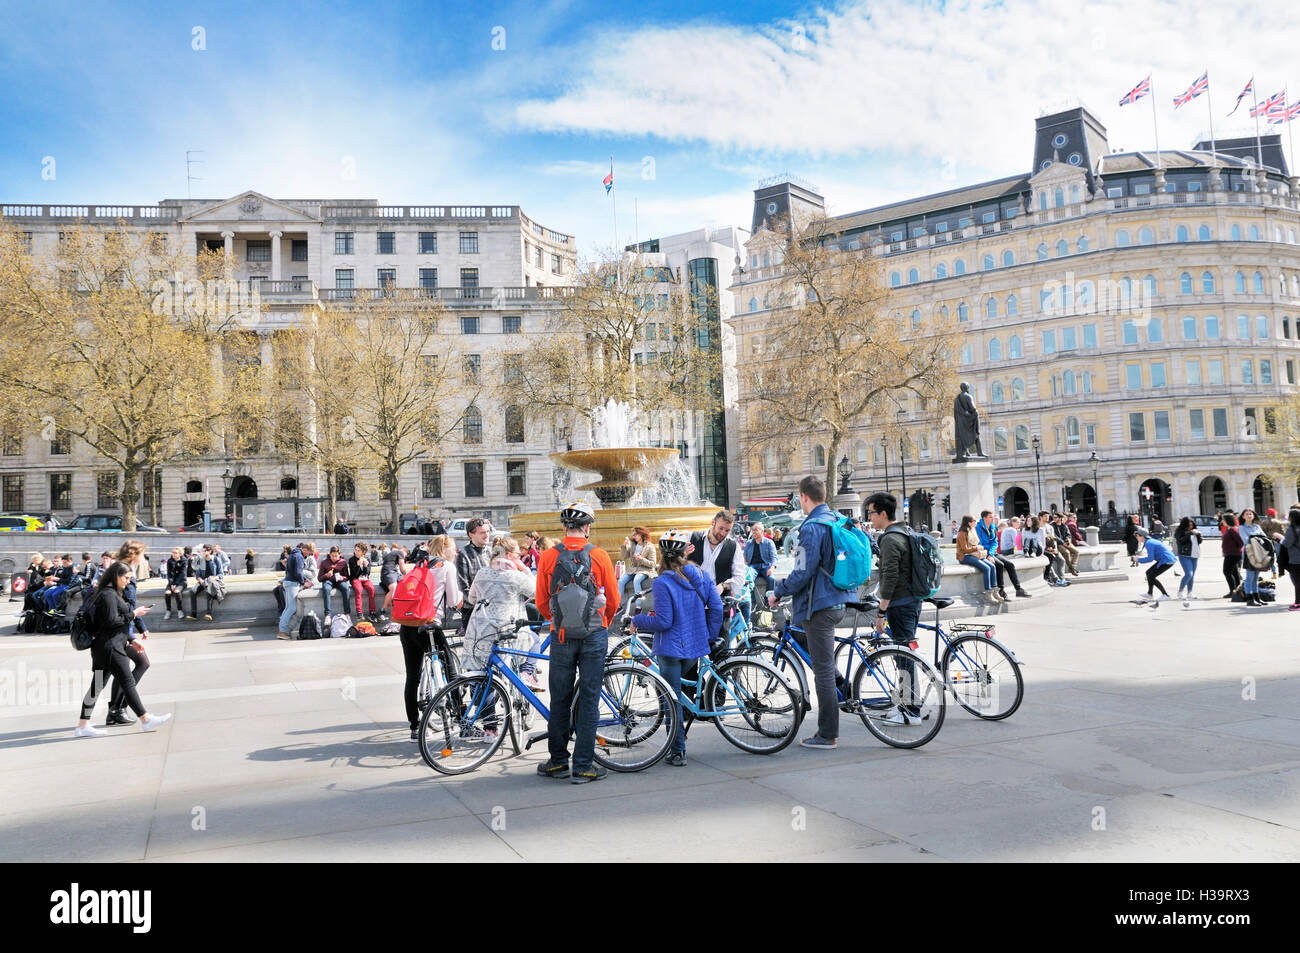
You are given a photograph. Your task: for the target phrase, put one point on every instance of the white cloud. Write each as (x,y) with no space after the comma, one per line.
(961,81)
(576,167)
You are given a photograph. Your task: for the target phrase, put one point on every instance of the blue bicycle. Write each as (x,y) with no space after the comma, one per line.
(466,722)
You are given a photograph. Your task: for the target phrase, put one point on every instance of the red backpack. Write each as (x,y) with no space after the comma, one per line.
(415,600)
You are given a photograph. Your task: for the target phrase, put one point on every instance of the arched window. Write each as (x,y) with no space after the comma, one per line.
(963,312)
(1062,248)
(916,319)
(1155,331)
(1236,233)
(895,279)
(1047,300)
(995,350)
(753,304)
(944,312)
(941,270)
(1185,283)
(288,485)
(1013,306)
(1017,388)
(991,308)
(1042,252)
(1259,283)
(1261,326)
(1000,440)
(819,457)
(1149,287)
(1068,383)
(1241,282)
(1085,293)
(996,393)
(472,426)
(913,276)
(1254,233)
(967,354)
(1146,236)
(1081,245)
(1059,196)
(1126,288)
(988,263)
(1207,283)
(1022,437)
(1181,235)
(1203,233)
(959,267)
(1008,258)
(1071,431)
(1122,239)
(1014,348)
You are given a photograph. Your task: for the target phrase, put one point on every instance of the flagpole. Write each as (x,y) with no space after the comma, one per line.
(1259,148)
(613,201)
(1151,92)
(1209,103)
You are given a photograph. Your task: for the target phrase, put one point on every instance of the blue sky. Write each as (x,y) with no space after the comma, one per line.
(415,103)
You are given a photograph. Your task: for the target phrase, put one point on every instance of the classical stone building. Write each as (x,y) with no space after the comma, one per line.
(497,271)
(1137,314)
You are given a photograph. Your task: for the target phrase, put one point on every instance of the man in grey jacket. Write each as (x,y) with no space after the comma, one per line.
(898,606)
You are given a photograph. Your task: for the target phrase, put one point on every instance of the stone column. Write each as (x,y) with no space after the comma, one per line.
(275,256)
(230,252)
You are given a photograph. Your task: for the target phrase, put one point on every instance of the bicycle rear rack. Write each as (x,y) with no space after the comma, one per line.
(984,628)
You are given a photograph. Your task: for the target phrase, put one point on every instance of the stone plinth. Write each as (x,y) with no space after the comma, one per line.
(971,487)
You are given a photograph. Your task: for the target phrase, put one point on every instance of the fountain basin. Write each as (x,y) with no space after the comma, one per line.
(615,524)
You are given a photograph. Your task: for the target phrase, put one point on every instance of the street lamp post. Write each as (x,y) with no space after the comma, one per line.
(845,470)
(902,466)
(1038,445)
(1096,487)
(228,478)
(884,448)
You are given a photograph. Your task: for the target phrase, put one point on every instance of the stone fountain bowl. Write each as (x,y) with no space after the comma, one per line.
(616,464)
(613,525)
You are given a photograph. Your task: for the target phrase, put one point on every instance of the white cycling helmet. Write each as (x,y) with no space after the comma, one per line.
(674,542)
(577,514)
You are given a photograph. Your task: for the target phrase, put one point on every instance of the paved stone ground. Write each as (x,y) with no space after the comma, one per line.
(1164,734)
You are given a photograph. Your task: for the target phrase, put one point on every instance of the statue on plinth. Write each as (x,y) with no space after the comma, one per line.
(966,427)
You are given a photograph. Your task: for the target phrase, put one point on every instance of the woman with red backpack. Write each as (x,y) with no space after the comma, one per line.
(415,639)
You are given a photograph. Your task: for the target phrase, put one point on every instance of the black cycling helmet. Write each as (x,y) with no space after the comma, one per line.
(577,514)
(674,543)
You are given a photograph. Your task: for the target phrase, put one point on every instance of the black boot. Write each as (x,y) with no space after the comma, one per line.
(119,716)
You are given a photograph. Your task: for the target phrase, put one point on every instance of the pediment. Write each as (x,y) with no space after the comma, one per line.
(1056,174)
(250,206)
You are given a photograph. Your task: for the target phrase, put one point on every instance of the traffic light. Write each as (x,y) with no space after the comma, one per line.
(947,504)
(929,498)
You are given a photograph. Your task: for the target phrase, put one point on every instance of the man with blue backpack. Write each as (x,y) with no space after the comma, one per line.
(832,560)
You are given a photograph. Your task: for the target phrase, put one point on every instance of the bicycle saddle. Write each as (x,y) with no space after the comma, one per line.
(939,602)
(866,605)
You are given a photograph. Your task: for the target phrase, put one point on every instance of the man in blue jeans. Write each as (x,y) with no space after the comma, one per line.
(817,606)
(295,579)
(583,657)
(898,606)
(760,554)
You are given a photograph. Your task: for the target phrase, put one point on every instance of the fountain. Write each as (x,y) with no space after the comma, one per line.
(626,471)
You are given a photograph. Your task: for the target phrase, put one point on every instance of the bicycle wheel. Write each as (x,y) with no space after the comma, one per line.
(983,677)
(626,649)
(424,689)
(464,724)
(899,697)
(760,712)
(785,661)
(636,718)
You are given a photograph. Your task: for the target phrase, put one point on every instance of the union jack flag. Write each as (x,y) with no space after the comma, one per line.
(1287,114)
(1137,92)
(1198,87)
(1250,88)
(1269,106)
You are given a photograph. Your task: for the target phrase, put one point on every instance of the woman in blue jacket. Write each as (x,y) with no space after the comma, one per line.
(687,611)
(1159,555)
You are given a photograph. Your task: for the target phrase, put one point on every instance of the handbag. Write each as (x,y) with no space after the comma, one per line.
(1283,558)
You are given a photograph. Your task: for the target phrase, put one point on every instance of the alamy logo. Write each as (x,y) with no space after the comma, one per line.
(95,907)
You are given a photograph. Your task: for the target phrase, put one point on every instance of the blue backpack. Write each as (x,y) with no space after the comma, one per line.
(852,554)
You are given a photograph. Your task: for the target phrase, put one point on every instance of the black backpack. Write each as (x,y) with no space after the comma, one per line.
(573,595)
(80,630)
(309,628)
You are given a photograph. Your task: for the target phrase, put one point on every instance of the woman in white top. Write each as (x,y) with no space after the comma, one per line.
(499,593)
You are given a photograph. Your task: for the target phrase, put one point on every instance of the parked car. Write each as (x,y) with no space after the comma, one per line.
(21,524)
(1209,527)
(218,526)
(105,523)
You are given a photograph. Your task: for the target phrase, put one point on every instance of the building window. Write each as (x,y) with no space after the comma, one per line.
(997,394)
(1181,235)
(1017,388)
(345,486)
(386,278)
(995,350)
(299,250)
(512,324)
(1162,424)
(516,478)
(1247,371)
(13,444)
(991,308)
(469,280)
(1022,437)
(472,426)
(1137,428)
(1069,383)
(514,424)
(1220,418)
(344,278)
(60,491)
(1185,283)
(987,263)
(1133,376)
(469,246)
(343,243)
(1130,332)
(1212,327)
(1189,328)
(13,492)
(473,367)
(1243,327)
(967,355)
(1265,371)
(1146,236)
(431,480)
(1290,372)
(1155,331)
(474,479)
(1193,370)
(428,243)
(1261,326)
(257,250)
(963,312)
(959,267)
(1071,431)
(1203,233)
(1089,335)
(555,264)
(1062,248)
(895,279)
(1014,347)
(1240,279)
(106,497)
(1013,306)
(1254,233)
(1081,245)
(429,278)
(999,439)
(469,324)
(61,444)
(1008,258)
(1042,252)
(1207,283)
(941,270)
(1122,239)
(1087,382)
(1158,378)
(1197,420)
(385,243)
(1216,371)
(1049,342)
(1069,339)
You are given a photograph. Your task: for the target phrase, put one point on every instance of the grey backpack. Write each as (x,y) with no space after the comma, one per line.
(573,595)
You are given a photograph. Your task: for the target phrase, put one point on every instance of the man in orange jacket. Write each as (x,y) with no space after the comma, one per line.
(583,656)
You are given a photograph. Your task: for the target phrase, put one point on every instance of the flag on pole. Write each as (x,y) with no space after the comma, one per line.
(1285,114)
(1196,89)
(1270,105)
(608,181)
(1250,89)
(1137,92)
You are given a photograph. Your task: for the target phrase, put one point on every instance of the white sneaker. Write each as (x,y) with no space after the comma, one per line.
(167,615)
(1187,603)
(892,717)
(87,731)
(327,619)
(154,721)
